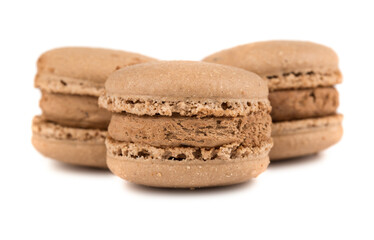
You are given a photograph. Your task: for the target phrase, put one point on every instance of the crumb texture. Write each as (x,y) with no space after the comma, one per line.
(74,110)
(51,130)
(200,108)
(224,152)
(67,85)
(305,125)
(300,80)
(175,131)
(303,103)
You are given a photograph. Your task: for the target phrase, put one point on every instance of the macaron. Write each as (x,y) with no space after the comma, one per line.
(72,127)
(184,124)
(301,78)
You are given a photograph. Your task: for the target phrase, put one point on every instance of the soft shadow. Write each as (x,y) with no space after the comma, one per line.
(190,192)
(60,166)
(296,161)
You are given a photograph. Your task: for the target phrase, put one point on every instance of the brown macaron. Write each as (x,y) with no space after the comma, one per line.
(185,124)
(72,127)
(301,78)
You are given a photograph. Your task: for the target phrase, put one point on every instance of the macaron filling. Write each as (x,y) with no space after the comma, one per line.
(303,103)
(182,138)
(74,110)
(186,106)
(160,131)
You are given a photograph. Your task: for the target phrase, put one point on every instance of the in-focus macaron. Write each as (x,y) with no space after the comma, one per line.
(301,78)
(185,124)
(72,127)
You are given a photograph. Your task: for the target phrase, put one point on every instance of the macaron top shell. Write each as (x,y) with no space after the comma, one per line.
(91,64)
(284,64)
(186,80)
(74,69)
(275,57)
(186,88)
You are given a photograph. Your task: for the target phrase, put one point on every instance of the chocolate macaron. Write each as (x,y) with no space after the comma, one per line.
(301,78)
(187,124)
(72,127)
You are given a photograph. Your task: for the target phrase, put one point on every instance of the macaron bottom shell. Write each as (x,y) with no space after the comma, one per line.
(72,152)
(186,167)
(186,174)
(78,146)
(305,137)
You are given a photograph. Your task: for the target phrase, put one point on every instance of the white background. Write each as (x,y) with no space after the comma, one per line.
(328,196)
